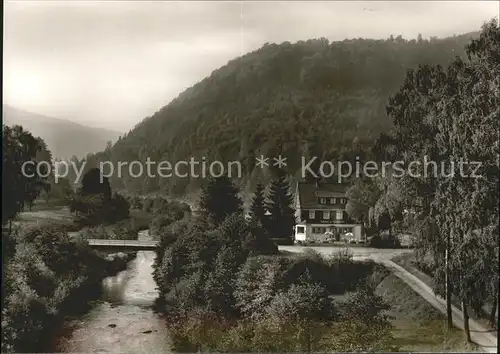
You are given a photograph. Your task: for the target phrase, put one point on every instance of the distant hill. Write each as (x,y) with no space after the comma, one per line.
(310,98)
(63,137)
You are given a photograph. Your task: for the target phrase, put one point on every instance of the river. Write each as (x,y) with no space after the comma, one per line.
(122,320)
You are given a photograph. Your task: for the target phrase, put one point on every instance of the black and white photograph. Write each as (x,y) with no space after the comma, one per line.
(250,176)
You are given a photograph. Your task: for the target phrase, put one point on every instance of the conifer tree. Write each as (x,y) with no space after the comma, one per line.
(219,199)
(258,208)
(282,218)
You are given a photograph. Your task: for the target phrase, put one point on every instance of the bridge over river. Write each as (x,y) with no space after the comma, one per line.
(122,245)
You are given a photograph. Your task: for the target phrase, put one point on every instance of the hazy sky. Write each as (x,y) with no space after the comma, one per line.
(111,63)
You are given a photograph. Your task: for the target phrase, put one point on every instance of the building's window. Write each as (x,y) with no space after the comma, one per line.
(301,229)
(326,215)
(322,200)
(312,214)
(343,201)
(339,215)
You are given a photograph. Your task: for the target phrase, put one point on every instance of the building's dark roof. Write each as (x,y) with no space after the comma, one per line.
(310,192)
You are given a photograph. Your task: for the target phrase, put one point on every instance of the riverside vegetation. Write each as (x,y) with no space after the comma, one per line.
(47,274)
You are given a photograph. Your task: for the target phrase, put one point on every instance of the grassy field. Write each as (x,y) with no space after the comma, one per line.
(54,215)
(46,214)
(43,205)
(419,327)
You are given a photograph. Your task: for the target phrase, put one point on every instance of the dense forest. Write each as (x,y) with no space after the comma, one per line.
(310,98)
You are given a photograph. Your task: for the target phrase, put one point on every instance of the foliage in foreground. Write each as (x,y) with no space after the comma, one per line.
(224,289)
(203,332)
(46,276)
(302,318)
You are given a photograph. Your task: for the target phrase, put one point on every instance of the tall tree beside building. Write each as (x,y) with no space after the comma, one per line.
(362,196)
(279,204)
(448,116)
(469,112)
(219,199)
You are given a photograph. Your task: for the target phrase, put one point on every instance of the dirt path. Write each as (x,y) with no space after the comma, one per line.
(480,335)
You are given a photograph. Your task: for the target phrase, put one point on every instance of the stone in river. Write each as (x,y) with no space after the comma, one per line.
(112,325)
(148,331)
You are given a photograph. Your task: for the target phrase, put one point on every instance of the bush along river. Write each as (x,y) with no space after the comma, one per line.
(122,319)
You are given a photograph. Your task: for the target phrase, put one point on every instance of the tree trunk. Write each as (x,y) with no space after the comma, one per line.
(448,284)
(492,319)
(309,349)
(466,321)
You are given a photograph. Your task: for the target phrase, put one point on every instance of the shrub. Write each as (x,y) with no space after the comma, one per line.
(135,203)
(286,241)
(258,282)
(258,241)
(189,292)
(203,331)
(220,283)
(319,270)
(147,205)
(306,300)
(45,278)
(385,241)
(97,209)
(166,212)
(366,306)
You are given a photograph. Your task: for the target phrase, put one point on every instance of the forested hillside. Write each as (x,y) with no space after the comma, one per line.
(311,98)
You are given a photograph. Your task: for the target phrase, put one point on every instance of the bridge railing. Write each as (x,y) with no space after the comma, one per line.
(129,243)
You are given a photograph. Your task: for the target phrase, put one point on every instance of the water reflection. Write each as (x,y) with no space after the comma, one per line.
(123,320)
